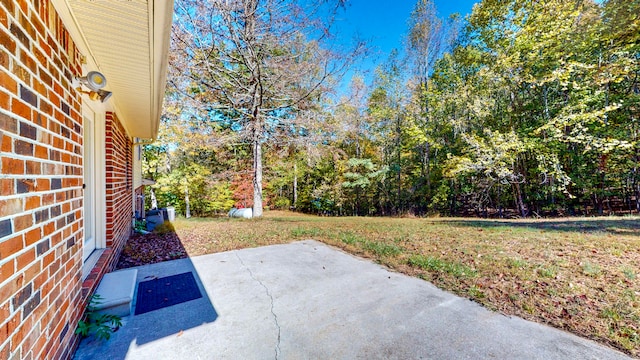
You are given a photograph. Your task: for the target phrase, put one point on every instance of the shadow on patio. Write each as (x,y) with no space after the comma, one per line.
(148,322)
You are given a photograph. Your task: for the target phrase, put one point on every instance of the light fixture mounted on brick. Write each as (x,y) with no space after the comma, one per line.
(95,81)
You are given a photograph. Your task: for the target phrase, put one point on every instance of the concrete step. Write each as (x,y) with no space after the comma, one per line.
(116,292)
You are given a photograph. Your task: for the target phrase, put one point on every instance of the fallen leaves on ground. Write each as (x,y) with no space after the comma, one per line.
(143,249)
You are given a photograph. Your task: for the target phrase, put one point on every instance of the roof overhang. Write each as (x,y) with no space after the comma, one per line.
(148,182)
(128,41)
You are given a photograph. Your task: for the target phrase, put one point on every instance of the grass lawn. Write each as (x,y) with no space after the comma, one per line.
(578,274)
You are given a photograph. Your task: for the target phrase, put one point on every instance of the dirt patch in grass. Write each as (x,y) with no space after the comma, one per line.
(578,274)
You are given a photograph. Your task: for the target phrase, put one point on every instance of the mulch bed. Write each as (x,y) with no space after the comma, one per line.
(155,247)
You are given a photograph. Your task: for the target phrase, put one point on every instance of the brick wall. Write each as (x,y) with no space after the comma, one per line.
(119,183)
(40,183)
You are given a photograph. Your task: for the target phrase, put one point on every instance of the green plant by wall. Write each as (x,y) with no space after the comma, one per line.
(102,325)
(140,226)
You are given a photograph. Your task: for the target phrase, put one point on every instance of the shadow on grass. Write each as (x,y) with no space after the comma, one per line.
(617,226)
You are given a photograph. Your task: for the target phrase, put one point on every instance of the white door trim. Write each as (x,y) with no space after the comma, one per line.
(99,217)
(89,186)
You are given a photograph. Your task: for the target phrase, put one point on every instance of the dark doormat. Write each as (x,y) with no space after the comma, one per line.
(171,290)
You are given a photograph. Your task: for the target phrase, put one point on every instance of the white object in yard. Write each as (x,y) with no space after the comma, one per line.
(241,213)
(116,292)
(171,213)
(154,201)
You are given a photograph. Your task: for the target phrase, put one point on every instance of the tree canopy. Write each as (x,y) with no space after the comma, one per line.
(523,108)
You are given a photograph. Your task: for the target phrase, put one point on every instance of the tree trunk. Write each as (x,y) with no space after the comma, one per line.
(257,174)
(399,159)
(295,185)
(519,202)
(427,166)
(187,207)
(638,198)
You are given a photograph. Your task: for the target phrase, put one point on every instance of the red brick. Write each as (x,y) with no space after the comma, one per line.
(39,281)
(28,61)
(7,82)
(45,47)
(22,147)
(12,166)
(48,229)
(22,222)
(17,337)
(4,313)
(40,119)
(56,239)
(48,259)
(32,236)
(21,109)
(4,100)
(4,20)
(22,73)
(33,167)
(41,152)
(44,137)
(8,124)
(25,259)
(58,89)
(33,335)
(6,271)
(49,198)
(6,143)
(11,325)
(10,246)
(32,272)
(6,187)
(32,202)
(40,346)
(10,288)
(24,7)
(10,207)
(41,89)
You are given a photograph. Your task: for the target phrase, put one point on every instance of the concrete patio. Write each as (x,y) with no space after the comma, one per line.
(307,300)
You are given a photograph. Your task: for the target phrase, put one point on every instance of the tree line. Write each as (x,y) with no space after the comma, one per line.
(523,108)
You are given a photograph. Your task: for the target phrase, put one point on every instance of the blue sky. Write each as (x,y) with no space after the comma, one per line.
(384,23)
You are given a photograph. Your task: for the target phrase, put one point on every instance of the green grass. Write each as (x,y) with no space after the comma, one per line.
(433,264)
(591,269)
(577,274)
(351,239)
(381,249)
(302,232)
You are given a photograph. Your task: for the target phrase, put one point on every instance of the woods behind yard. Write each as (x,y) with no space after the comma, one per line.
(521,109)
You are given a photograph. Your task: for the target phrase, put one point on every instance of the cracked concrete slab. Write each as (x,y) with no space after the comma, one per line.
(306,300)
(266,289)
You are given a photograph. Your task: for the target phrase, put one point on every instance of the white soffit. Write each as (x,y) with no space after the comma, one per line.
(128,41)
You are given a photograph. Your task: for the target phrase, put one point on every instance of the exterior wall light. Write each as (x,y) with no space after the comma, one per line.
(94,81)
(102,95)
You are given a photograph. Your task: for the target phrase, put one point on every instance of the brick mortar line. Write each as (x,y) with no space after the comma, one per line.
(44,177)
(51,219)
(43,129)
